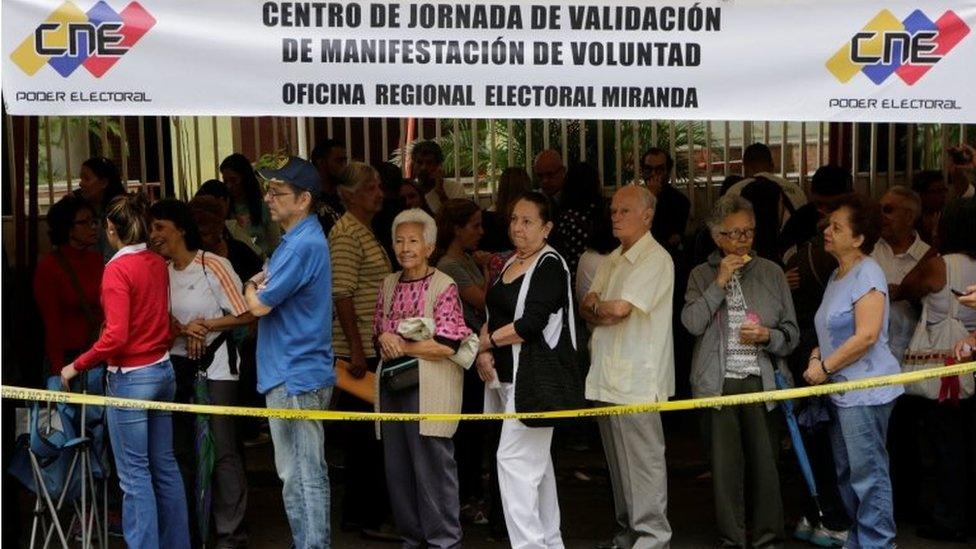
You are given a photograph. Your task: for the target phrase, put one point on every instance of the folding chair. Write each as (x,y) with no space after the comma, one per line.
(59,459)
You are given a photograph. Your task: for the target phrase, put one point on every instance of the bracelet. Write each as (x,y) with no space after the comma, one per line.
(491,339)
(823,367)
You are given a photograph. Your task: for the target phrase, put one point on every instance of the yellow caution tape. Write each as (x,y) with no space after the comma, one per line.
(22,393)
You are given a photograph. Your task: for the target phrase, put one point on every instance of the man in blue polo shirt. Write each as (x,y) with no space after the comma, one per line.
(293,299)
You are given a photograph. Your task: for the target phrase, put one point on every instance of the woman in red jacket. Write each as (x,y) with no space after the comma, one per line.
(68,281)
(135,344)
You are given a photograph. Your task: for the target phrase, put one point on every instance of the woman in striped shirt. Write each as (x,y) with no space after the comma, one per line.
(206,304)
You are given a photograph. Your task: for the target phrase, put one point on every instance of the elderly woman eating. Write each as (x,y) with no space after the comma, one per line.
(739,308)
(424,345)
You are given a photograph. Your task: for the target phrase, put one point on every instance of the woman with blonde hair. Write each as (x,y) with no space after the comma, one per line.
(135,344)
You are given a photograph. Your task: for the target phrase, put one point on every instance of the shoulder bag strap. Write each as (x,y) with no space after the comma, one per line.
(85,305)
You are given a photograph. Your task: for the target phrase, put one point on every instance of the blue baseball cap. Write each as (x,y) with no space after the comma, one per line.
(298,172)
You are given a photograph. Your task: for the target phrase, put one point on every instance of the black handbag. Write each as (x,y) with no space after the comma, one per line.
(548,379)
(400,374)
(185,369)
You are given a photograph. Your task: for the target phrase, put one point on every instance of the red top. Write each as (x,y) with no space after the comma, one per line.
(135,298)
(66,327)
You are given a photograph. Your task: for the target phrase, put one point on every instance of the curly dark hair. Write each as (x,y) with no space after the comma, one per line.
(180,214)
(61,217)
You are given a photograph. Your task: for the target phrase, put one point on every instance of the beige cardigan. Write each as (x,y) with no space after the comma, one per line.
(441,381)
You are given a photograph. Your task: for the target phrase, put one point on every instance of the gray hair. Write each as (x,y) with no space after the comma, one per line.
(416,215)
(353,176)
(914,200)
(726,206)
(648,200)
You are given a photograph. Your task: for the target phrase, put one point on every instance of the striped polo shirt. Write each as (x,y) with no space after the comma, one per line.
(359,265)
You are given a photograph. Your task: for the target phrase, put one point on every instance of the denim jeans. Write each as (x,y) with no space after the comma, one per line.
(299,448)
(857,436)
(153,505)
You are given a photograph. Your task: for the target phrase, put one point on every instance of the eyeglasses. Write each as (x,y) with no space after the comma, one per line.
(651,170)
(274,194)
(739,234)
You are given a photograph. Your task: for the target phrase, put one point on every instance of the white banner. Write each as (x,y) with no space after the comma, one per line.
(834,60)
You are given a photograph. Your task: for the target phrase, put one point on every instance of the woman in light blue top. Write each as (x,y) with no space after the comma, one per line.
(852,331)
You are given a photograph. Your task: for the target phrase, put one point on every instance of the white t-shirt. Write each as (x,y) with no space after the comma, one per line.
(207,288)
(452,188)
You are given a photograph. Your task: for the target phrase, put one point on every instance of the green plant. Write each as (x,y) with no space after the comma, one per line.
(457,142)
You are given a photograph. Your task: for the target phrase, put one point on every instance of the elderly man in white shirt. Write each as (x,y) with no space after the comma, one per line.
(629,305)
(898,251)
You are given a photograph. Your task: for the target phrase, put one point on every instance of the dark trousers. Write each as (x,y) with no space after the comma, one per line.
(744,446)
(422,477)
(229,483)
(951,434)
(905,454)
(365,503)
(471,436)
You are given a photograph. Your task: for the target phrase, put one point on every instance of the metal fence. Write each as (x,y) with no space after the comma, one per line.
(163,155)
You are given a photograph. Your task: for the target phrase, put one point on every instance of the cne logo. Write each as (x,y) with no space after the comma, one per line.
(69,38)
(908,48)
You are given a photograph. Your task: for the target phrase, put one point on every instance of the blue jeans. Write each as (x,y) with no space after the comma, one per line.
(153,505)
(299,448)
(858,435)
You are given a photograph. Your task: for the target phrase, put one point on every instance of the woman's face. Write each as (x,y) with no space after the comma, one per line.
(92,186)
(234,182)
(84,229)
(839,236)
(736,234)
(527,230)
(470,234)
(165,238)
(412,251)
(410,196)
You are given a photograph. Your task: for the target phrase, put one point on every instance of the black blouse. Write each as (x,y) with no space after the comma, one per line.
(547,294)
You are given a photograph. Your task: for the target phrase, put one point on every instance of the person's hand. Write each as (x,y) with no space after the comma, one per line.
(67,374)
(963,348)
(357,364)
(391,345)
(484,342)
(969,298)
(481,258)
(815,374)
(195,347)
(486,367)
(751,333)
(196,328)
(793,278)
(258,279)
(729,265)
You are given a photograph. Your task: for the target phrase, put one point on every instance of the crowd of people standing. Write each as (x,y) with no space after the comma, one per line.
(271,280)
